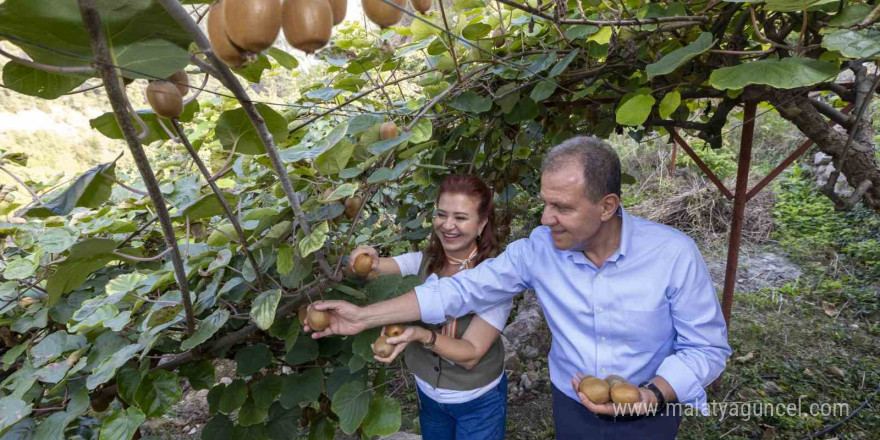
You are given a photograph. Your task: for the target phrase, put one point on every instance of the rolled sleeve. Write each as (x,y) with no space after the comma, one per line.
(430,303)
(686,385)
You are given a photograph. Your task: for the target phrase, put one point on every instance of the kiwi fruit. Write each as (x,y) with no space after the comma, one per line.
(253,25)
(318,319)
(363,265)
(597,390)
(221,45)
(388,130)
(340,8)
(165,99)
(382,348)
(101,402)
(393,330)
(383,14)
(307,24)
(614,379)
(625,393)
(353,205)
(27,302)
(302,312)
(181,80)
(422,6)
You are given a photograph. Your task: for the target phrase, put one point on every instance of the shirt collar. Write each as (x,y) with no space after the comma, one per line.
(625,239)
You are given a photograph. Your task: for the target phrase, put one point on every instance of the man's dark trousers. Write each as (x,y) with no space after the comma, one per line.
(573,421)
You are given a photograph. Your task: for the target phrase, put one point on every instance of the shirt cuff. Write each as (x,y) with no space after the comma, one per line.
(686,385)
(430,304)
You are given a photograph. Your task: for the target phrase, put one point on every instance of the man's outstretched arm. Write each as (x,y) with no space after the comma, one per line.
(349,319)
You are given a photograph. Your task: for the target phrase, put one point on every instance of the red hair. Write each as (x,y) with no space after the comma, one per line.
(473,187)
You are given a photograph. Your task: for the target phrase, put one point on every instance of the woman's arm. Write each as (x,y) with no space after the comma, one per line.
(467,351)
(381,266)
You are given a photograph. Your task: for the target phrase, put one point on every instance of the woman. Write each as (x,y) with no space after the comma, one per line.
(459,366)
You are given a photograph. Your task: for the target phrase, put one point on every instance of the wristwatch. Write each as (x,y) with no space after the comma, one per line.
(661,401)
(431,343)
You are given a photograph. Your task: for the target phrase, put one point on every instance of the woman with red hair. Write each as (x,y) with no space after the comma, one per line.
(458,366)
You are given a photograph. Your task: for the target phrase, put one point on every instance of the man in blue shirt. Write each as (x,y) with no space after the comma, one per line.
(621,295)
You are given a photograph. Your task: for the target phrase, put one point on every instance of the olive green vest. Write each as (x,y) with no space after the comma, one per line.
(439,373)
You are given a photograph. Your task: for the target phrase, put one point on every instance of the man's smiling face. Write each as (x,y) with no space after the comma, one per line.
(572,218)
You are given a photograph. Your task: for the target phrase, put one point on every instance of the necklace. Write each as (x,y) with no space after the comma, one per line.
(462,264)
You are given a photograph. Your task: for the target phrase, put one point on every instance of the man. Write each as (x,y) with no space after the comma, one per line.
(621,295)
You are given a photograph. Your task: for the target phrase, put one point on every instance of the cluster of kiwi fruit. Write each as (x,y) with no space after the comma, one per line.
(614,389)
(381,347)
(240,29)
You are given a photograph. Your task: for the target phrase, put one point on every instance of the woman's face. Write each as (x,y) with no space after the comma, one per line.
(457,222)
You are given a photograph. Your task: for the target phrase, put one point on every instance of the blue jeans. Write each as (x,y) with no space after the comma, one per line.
(483,418)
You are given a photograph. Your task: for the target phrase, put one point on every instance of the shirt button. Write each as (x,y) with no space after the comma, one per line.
(601,310)
(602,370)
(602,338)
(438,369)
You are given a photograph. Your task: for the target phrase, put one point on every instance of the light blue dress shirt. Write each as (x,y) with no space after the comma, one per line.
(649,310)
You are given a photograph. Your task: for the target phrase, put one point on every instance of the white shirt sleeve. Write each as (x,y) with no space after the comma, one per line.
(409,263)
(497,315)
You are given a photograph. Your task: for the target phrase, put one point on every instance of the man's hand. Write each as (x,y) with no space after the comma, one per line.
(345,319)
(410,334)
(648,401)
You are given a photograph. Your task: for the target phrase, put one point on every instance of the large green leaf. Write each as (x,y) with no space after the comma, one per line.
(107,125)
(864,43)
(351,403)
(39,83)
(206,206)
(669,103)
(266,390)
(305,349)
(471,102)
(107,368)
(678,57)
(251,413)
(334,160)
(383,417)
(282,422)
(383,146)
(234,130)
(302,387)
(90,190)
(787,73)
(207,328)
(57,240)
(263,309)
(636,110)
(233,396)
(794,5)
(283,58)
(157,392)
(315,240)
(122,424)
(85,257)
(12,409)
(200,374)
(252,359)
(218,428)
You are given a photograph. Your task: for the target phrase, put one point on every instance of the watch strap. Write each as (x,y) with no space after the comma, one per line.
(433,341)
(661,401)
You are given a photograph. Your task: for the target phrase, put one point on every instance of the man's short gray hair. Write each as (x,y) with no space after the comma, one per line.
(600,163)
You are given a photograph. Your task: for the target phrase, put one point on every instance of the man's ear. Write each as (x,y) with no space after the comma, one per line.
(609,204)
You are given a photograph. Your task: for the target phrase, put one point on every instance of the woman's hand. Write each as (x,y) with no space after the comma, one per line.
(363,249)
(410,334)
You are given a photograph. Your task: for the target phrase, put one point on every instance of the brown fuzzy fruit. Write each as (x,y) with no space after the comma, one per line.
(27,302)
(614,379)
(318,319)
(307,24)
(382,348)
(388,130)
(340,8)
(181,80)
(597,390)
(625,393)
(422,6)
(393,330)
(363,265)
(221,45)
(353,205)
(252,25)
(165,99)
(383,14)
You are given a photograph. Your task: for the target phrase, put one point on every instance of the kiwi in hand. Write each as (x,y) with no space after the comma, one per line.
(363,265)
(382,348)
(597,390)
(393,330)
(625,393)
(318,319)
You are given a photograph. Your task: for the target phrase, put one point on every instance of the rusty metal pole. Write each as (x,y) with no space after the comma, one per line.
(739,206)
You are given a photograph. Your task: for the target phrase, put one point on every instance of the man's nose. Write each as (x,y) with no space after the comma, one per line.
(547,219)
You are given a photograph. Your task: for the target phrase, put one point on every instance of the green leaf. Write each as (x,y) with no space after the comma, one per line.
(200,374)
(218,428)
(304,350)
(321,429)
(263,309)
(206,206)
(234,130)
(19,269)
(207,328)
(471,102)
(422,131)
(266,390)
(315,240)
(154,57)
(284,262)
(220,261)
(53,346)
(233,396)
(12,409)
(282,422)
(787,73)
(334,160)
(793,5)
(90,190)
(603,36)
(864,43)
(525,110)
(421,30)
(253,72)
(669,103)
(476,31)
(35,82)
(157,393)
(305,387)
(636,110)
(84,258)
(563,63)
(543,90)
(107,369)
(351,403)
(341,192)
(283,58)
(122,424)
(252,359)
(108,126)
(251,414)
(128,379)
(850,15)
(677,58)
(383,146)
(57,240)
(383,417)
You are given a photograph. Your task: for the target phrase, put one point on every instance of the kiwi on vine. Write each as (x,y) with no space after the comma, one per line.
(422,6)
(221,45)
(340,8)
(388,130)
(363,265)
(353,206)
(307,24)
(181,80)
(383,14)
(252,25)
(165,99)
